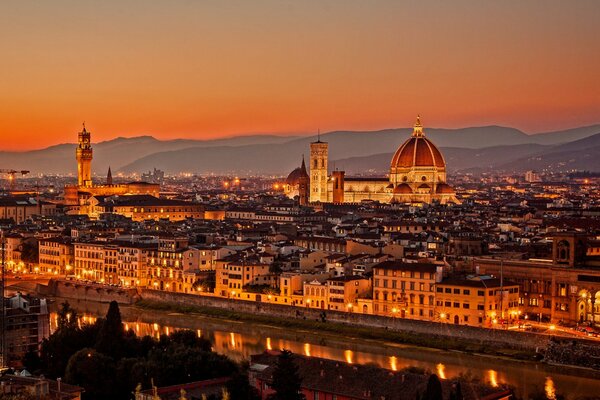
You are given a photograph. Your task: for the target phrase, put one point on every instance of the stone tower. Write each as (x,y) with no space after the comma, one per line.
(84,159)
(318,171)
(109,180)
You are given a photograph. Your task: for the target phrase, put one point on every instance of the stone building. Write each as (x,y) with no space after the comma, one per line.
(77,195)
(417,175)
(563,289)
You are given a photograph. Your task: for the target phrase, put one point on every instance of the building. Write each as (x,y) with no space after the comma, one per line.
(77,195)
(35,387)
(477,301)
(143,207)
(167,267)
(405,290)
(417,175)
(564,289)
(89,260)
(21,208)
(27,324)
(319,157)
(234,274)
(133,266)
(297,185)
(56,256)
(344,292)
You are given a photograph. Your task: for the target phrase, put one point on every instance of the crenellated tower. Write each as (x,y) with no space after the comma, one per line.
(84,159)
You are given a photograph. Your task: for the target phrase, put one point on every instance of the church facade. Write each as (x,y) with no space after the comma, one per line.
(417,175)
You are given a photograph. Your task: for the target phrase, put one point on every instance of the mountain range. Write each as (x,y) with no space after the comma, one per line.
(466,149)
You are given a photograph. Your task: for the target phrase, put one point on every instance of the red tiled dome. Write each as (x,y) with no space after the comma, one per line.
(294,176)
(403,189)
(418,151)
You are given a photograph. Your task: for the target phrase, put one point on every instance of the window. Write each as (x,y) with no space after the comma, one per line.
(439,290)
(447,290)
(466,292)
(547,303)
(466,305)
(456,291)
(533,301)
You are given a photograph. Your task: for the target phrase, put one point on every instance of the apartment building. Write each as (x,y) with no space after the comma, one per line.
(477,301)
(405,290)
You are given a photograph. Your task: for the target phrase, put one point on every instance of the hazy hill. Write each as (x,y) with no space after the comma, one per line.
(456,158)
(564,136)
(466,148)
(583,154)
(116,152)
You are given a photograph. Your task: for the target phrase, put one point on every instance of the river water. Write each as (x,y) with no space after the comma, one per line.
(239,340)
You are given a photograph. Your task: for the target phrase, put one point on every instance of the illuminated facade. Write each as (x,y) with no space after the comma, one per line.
(297,184)
(417,175)
(78,195)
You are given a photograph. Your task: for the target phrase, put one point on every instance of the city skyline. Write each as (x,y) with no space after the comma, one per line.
(208,70)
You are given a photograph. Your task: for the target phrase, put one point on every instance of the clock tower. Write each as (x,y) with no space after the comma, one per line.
(84,159)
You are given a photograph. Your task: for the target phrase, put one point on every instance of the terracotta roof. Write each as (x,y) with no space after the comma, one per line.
(418,152)
(403,188)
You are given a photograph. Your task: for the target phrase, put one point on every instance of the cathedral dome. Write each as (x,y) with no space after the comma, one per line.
(403,188)
(418,151)
(294,176)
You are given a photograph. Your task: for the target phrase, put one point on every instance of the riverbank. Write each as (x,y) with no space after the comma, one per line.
(238,339)
(349,331)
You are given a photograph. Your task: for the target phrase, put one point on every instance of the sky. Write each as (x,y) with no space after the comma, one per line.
(213,68)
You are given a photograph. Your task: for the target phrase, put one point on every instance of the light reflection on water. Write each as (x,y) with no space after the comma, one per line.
(239,346)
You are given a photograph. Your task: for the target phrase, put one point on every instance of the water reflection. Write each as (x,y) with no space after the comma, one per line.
(348,356)
(549,389)
(393,363)
(441,371)
(239,341)
(493,377)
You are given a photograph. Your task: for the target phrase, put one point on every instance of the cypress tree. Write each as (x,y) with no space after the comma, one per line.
(286,379)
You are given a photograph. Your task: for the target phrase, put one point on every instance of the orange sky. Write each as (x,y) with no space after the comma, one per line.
(204,69)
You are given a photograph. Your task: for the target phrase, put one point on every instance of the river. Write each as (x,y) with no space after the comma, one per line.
(238,340)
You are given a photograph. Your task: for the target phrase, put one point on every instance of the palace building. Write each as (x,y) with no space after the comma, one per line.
(78,195)
(417,175)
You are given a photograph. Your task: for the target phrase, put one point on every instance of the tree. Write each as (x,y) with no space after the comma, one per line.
(456,393)
(239,387)
(111,336)
(434,388)
(95,372)
(286,379)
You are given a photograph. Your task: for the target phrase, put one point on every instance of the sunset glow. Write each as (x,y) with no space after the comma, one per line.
(211,69)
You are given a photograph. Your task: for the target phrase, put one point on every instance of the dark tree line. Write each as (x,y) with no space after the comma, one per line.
(109,362)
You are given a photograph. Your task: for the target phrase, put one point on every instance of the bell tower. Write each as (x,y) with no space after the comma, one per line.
(318,170)
(84,158)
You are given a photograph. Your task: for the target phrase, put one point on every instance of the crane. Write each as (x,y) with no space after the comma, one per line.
(11,175)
